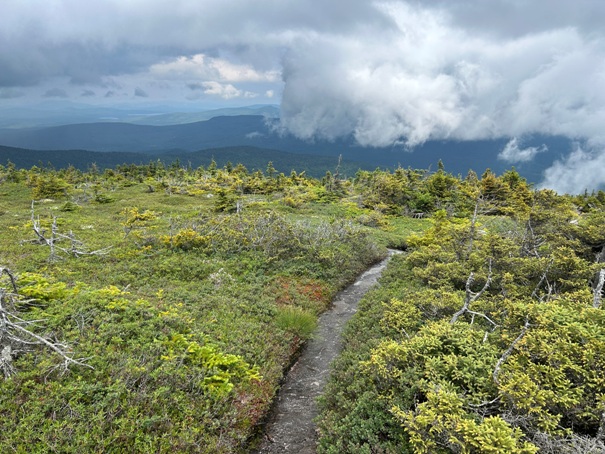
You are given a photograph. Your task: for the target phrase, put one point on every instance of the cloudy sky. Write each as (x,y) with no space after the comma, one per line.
(388,72)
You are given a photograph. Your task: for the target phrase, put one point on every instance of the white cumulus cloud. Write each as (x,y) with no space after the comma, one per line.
(225,91)
(202,67)
(513,153)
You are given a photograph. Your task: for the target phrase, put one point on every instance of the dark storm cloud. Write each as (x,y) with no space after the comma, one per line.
(86,41)
(81,63)
(140,93)
(195,86)
(56,93)
(11,93)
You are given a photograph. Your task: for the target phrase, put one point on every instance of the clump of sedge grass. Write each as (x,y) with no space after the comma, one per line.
(297,321)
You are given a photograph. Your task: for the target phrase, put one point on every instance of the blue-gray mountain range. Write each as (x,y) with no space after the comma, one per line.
(259,132)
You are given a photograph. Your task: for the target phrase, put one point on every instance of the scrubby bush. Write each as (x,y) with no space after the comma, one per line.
(487,337)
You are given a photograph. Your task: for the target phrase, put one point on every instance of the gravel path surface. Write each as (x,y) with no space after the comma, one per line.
(290,428)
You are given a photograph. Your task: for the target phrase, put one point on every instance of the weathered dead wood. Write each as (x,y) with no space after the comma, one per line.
(480,314)
(601,431)
(486,403)
(10,277)
(509,351)
(16,335)
(543,279)
(596,302)
(471,296)
(533,243)
(76,249)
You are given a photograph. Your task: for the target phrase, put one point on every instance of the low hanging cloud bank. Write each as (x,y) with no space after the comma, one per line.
(427,78)
(581,170)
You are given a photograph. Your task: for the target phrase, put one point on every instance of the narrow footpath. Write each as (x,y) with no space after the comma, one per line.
(290,428)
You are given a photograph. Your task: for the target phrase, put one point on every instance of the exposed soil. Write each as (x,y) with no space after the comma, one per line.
(290,428)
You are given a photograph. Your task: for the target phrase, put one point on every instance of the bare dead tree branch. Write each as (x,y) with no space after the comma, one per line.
(533,243)
(480,314)
(61,349)
(486,403)
(16,334)
(601,431)
(543,278)
(509,351)
(10,277)
(474,223)
(596,303)
(471,296)
(76,249)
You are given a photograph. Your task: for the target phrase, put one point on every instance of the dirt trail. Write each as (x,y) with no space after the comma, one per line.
(290,428)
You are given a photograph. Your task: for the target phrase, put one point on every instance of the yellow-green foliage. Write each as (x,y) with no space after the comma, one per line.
(441,425)
(186,239)
(490,337)
(191,317)
(36,286)
(221,370)
(557,371)
(136,218)
(48,187)
(439,354)
(253,283)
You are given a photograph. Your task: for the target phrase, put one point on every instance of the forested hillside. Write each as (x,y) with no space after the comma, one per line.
(152,308)
(253,158)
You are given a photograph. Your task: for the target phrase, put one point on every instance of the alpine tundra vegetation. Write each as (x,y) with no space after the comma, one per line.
(153,308)
(486,337)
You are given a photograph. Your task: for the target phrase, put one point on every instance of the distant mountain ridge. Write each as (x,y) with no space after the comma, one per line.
(110,136)
(258,131)
(175,118)
(59,113)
